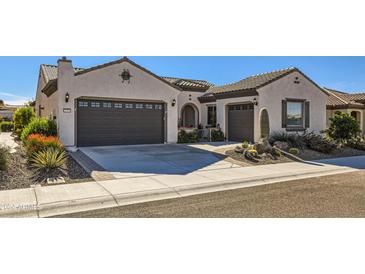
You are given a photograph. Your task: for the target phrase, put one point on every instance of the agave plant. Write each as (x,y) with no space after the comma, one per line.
(48,159)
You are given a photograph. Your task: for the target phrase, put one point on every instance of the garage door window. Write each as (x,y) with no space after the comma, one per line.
(158,107)
(139,106)
(83,104)
(148,106)
(128,105)
(107,105)
(118,105)
(95,104)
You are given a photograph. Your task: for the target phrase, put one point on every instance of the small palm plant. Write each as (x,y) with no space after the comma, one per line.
(48,159)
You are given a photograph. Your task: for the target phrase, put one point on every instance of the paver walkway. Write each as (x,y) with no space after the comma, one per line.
(7,140)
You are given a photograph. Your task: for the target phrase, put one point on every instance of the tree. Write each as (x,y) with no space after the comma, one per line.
(22,117)
(343,127)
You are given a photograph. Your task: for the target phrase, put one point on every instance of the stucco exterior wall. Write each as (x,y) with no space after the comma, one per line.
(106,83)
(271,96)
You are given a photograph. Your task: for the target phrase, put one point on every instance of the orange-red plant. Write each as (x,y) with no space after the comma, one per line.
(38,142)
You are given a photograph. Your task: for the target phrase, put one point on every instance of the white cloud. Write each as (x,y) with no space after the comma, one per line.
(13,99)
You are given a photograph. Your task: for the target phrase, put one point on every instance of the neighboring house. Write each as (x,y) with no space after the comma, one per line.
(121,103)
(7,111)
(353,104)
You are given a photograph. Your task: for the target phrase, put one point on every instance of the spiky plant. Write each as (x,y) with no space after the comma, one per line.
(48,159)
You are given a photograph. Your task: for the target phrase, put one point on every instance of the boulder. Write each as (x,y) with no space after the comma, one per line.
(263,147)
(239,149)
(281,145)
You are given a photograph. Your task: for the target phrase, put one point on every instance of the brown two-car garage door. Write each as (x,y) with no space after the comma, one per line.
(241,122)
(103,123)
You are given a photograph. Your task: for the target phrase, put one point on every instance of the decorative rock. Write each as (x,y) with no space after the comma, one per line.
(281,145)
(262,147)
(56,180)
(239,149)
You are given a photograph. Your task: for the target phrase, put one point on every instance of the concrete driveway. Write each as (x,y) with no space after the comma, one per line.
(173,159)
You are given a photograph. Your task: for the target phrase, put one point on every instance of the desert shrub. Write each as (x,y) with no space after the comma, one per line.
(6,126)
(41,126)
(343,127)
(22,117)
(245,144)
(319,143)
(276,152)
(293,140)
(251,154)
(37,142)
(187,137)
(217,135)
(48,159)
(356,143)
(294,151)
(4,157)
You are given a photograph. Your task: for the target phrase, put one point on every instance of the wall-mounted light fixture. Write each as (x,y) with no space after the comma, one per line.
(254,101)
(173,103)
(67,97)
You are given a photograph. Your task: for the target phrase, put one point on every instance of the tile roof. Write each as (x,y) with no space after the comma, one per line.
(189,83)
(50,72)
(252,82)
(339,99)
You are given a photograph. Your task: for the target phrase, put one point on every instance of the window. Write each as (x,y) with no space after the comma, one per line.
(95,104)
(83,104)
(128,105)
(107,105)
(158,106)
(139,106)
(118,105)
(212,116)
(294,117)
(148,106)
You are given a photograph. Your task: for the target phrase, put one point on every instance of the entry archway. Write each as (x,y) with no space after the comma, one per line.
(264,124)
(189,116)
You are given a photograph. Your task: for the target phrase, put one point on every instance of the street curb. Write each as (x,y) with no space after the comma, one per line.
(184,191)
(110,200)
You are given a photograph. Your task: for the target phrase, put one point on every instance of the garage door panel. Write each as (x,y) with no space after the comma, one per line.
(117,125)
(241,123)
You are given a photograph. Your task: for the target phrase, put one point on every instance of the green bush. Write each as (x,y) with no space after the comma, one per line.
(245,144)
(1,118)
(4,157)
(276,152)
(343,127)
(6,126)
(187,137)
(48,159)
(39,126)
(22,117)
(319,143)
(293,140)
(294,151)
(356,143)
(217,135)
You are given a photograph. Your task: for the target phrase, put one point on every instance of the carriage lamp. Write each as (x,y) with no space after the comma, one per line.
(255,101)
(173,103)
(67,97)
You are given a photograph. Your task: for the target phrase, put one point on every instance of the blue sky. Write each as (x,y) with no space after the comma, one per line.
(18,75)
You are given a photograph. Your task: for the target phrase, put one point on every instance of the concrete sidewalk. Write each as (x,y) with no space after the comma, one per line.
(62,199)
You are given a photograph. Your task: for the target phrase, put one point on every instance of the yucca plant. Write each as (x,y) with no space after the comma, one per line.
(48,159)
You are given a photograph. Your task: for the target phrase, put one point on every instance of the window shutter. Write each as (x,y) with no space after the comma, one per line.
(307,115)
(283,114)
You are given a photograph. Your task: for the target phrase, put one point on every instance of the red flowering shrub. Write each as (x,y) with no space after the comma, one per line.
(38,142)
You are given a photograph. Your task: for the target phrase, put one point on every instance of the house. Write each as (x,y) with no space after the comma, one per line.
(353,104)
(120,103)
(7,111)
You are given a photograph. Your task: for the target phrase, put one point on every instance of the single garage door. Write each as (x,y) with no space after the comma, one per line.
(103,123)
(240,122)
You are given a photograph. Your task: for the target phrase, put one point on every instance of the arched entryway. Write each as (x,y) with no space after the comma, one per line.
(356,115)
(264,124)
(189,116)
